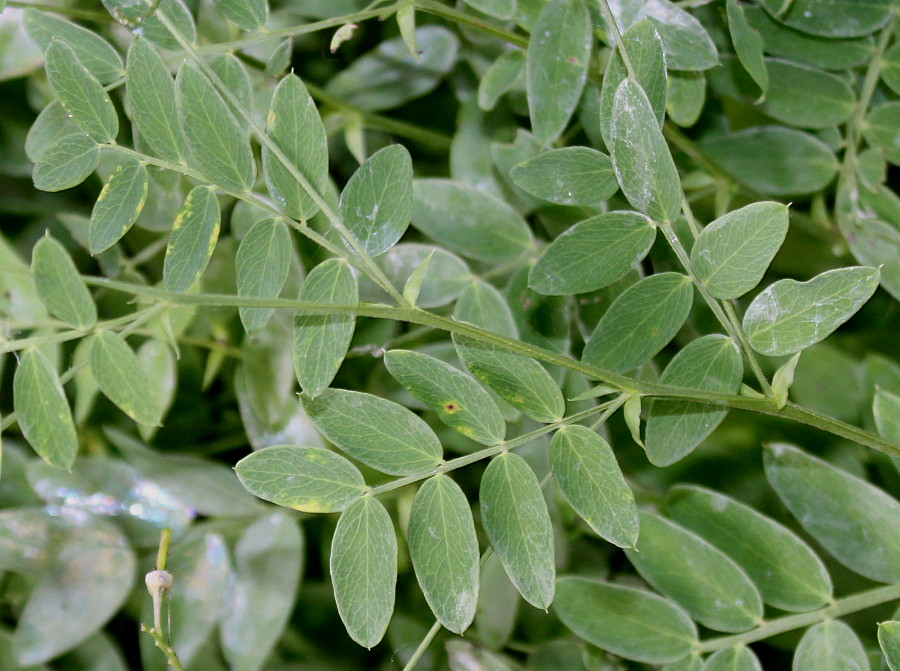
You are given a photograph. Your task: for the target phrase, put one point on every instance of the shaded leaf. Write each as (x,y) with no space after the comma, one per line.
(748,45)
(787,572)
(309,479)
(886,411)
(856,522)
(444,551)
(42,411)
(632,623)
(92,51)
(683,566)
(320,341)
(500,77)
(459,401)
(364,570)
(59,285)
(515,518)
(844,18)
(445,278)
(676,427)
(483,306)
(789,316)
(738,658)
(375,431)
(592,482)
(889,639)
(268,561)
(469,221)
(246,14)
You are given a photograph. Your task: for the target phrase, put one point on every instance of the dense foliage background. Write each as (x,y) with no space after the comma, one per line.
(644,361)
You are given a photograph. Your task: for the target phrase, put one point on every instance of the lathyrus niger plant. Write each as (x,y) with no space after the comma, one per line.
(561,334)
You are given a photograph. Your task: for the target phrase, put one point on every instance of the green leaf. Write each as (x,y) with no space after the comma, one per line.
(640,155)
(687,44)
(52,124)
(118,374)
(748,45)
(280,60)
(59,285)
(783,379)
(844,18)
(459,401)
(268,561)
(42,411)
(592,482)
(178,14)
(503,74)
(593,254)
(889,639)
(444,551)
(219,148)
(296,129)
(686,97)
(483,306)
(773,159)
(118,205)
(675,427)
(414,284)
(375,431)
(830,646)
(886,409)
(91,50)
(376,204)
(80,94)
(445,278)
(789,575)
(798,95)
(645,51)
(515,518)
(261,268)
(249,15)
(890,70)
(151,94)
(469,221)
(192,240)
(569,176)
(308,479)
(856,522)
(321,341)
(500,9)
(681,565)
(731,255)
(690,663)
(93,565)
(628,622)
(556,64)
(389,76)
(880,127)
(66,163)
(738,658)
(830,54)
(364,570)
(520,381)
(789,316)
(640,322)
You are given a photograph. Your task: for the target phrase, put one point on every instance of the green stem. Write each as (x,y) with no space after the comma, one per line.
(422,318)
(162,555)
(613,27)
(422,647)
(366,261)
(845,606)
(607,409)
(437,9)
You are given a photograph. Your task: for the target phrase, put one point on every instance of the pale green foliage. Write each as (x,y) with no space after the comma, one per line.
(512,310)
